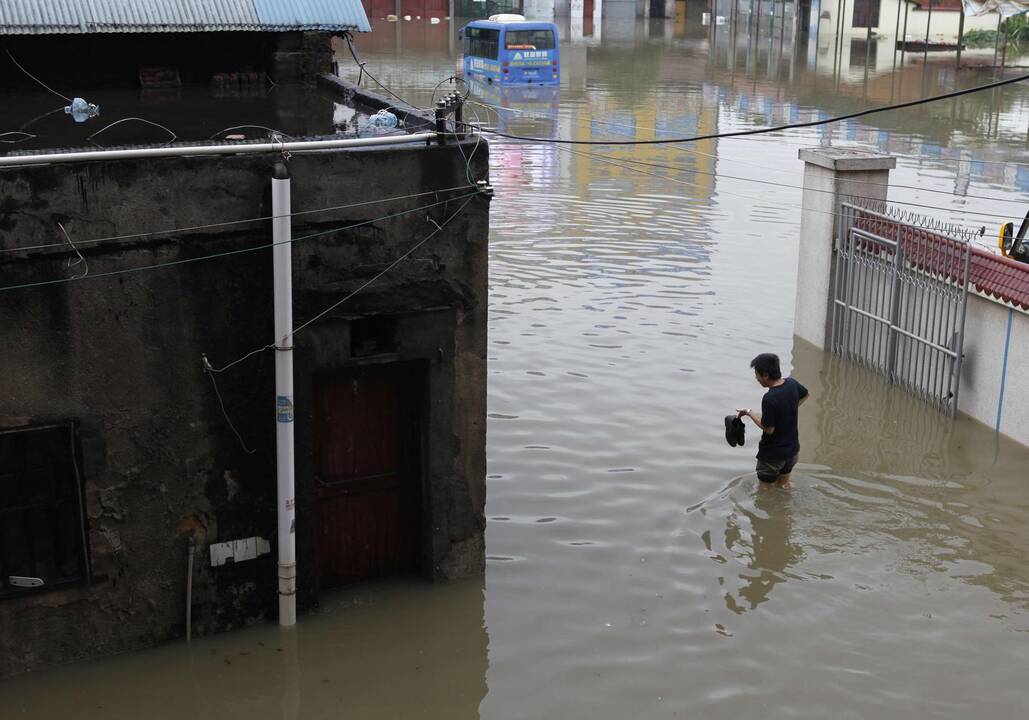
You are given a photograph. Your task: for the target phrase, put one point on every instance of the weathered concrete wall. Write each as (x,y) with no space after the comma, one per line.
(120,354)
(994,384)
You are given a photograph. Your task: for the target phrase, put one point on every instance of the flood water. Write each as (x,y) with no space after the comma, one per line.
(634,569)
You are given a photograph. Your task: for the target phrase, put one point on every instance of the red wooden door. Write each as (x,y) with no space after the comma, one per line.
(368,460)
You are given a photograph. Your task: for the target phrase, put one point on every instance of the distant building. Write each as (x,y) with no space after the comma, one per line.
(887,18)
(116,275)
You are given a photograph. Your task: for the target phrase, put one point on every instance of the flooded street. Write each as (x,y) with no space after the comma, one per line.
(634,569)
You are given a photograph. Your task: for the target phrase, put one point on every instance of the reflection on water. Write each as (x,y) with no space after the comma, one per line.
(635,568)
(758,535)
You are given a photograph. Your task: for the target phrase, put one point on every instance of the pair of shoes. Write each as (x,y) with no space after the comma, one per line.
(735,431)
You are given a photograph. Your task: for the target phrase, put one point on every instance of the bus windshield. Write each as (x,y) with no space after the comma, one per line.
(529,40)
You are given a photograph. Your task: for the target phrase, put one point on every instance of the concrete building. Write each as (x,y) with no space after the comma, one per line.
(120,453)
(890,17)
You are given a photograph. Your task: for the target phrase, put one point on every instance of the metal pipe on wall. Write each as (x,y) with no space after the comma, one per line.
(282,280)
(189,588)
(225,149)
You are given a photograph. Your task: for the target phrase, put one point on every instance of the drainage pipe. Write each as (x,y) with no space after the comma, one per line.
(189,150)
(189,588)
(282,282)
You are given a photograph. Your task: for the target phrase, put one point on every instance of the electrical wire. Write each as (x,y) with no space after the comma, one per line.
(802,188)
(364,71)
(906,156)
(228,253)
(40,82)
(453,80)
(240,127)
(584,122)
(470,156)
(208,226)
(174,137)
(626,162)
(967,231)
(348,296)
(65,97)
(25,136)
(776,128)
(80,261)
(221,403)
(439,228)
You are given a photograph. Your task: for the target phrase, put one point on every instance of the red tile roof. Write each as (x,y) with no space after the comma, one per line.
(991,273)
(939,5)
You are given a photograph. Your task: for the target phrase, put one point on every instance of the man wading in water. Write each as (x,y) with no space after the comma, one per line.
(780,440)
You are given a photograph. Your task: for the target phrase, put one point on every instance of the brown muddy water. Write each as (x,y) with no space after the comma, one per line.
(634,568)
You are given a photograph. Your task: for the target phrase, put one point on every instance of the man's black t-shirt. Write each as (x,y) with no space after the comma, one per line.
(779,410)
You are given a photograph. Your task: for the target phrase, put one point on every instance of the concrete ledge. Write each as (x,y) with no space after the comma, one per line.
(847,159)
(371,102)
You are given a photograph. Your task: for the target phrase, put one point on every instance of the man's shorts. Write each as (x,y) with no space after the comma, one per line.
(769,470)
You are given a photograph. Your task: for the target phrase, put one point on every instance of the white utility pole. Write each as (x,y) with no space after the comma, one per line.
(282,276)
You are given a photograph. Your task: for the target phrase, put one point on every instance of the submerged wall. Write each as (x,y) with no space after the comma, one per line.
(992,384)
(119,354)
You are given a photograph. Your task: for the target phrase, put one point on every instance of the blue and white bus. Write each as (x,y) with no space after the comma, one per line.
(511,49)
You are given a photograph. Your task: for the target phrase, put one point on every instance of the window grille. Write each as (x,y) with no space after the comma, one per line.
(42,519)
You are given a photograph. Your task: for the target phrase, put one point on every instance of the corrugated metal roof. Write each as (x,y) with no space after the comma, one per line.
(40,17)
(312,14)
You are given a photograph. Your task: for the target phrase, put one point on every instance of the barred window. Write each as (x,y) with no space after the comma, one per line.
(42,519)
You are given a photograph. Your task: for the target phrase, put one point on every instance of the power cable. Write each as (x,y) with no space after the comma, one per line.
(802,188)
(24,136)
(906,156)
(71,101)
(969,232)
(221,403)
(330,308)
(105,128)
(723,158)
(364,71)
(621,162)
(453,80)
(38,81)
(241,127)
(439,228)
(208,226)
(776,128)
(227,253)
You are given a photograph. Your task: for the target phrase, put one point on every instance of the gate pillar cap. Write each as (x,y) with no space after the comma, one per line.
(847,159)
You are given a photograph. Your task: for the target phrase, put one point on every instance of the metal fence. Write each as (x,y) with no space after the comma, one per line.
(900,288)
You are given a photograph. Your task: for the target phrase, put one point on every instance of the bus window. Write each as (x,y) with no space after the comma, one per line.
(529,40)
(482,42)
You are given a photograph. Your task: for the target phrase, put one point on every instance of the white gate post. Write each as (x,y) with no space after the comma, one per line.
(831,175)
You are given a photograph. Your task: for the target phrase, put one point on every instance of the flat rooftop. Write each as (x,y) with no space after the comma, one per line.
(36,120)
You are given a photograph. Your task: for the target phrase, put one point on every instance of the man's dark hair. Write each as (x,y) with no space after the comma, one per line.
(767,364)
